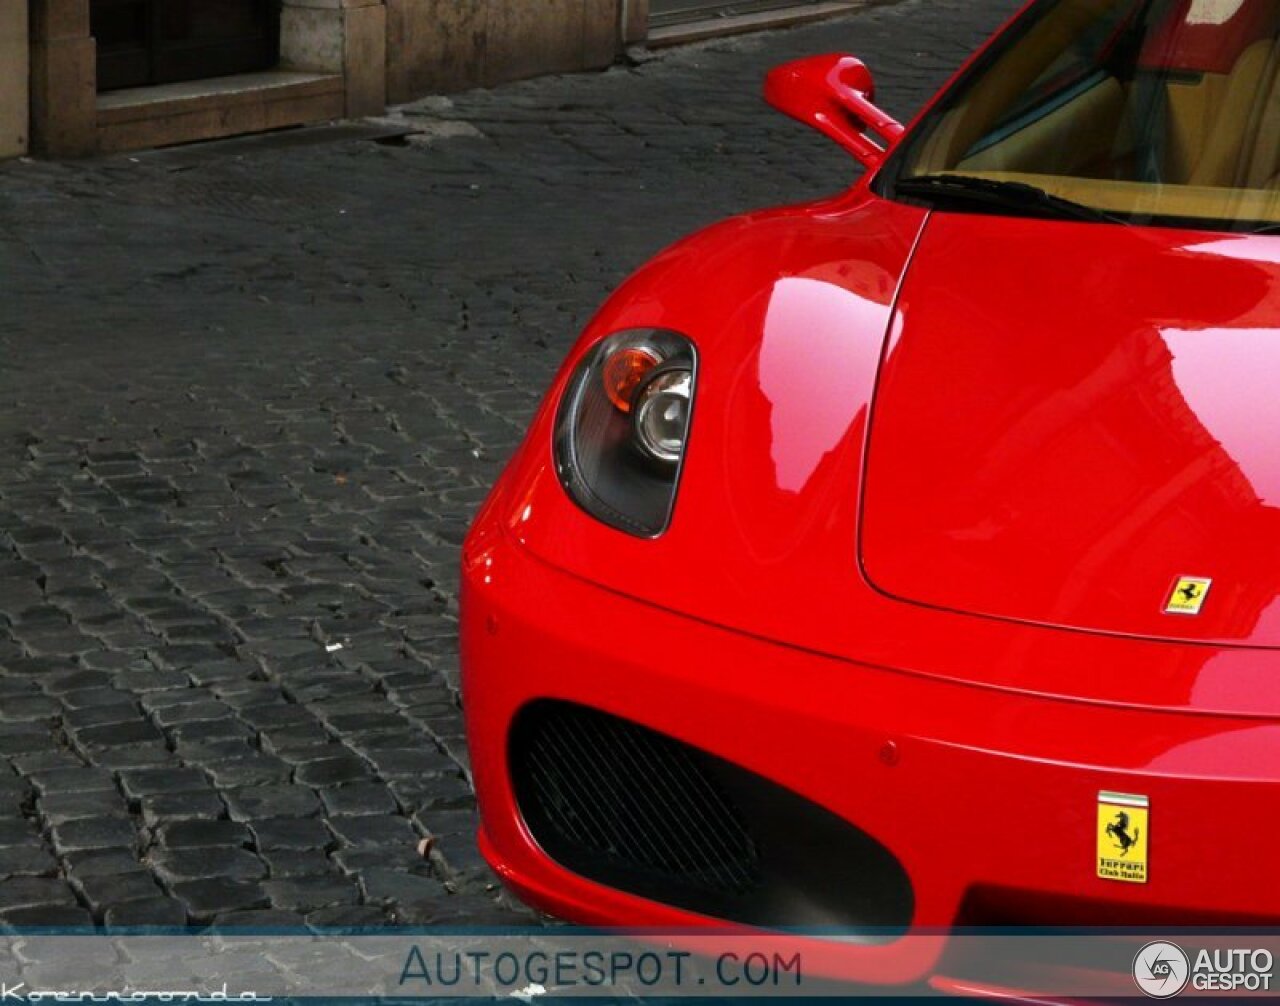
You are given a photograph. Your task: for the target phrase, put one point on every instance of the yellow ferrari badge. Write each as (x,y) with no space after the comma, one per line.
(1188,595)
(1124,829)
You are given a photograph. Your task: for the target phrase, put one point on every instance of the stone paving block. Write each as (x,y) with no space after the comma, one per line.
(257,918)
(290,741)
(205,899)
(277,715)
(348,917)
(152,754)
(32,707)
(411,763)
(101,892)
(166,698)
(244,694)
(424,797)
(461,862)
(290,833)
(192,834)
(51,915)
(448,823)
(128,732)
(99,862)
(193,712)
(357,722)
(458,910)
(358,798)
(253,769)
(387,886)
(27,892)
(94,698)
(17,831)
(72,681)
(166,807)
(310,893)
(209,730)
(369,831)
(97,715)
(283,863)
(178,865)
(333,771)
(211,673)
(58,808)
(140,783)
(204,753)
(323,747)
(120,661)
(21,738)
(93,833)
(77,779)
(158,911)
(27,861)
(146,680)
(257,802)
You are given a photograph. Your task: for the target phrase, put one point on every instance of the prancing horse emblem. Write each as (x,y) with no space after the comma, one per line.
(1119,832)
(1188,595)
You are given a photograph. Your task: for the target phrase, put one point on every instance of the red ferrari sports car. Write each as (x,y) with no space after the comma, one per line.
(911,559)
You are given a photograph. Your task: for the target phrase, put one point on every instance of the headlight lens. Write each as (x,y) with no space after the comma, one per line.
(662,414)
(623,427)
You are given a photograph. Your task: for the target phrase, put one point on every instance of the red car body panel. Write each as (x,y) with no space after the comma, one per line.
(770,549)
(926,767)
(1036,458)
(864,361)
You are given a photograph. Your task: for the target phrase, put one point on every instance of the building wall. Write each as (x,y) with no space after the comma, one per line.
(344,37)
(450,45)
(14,72)
(635,21)
(368,52)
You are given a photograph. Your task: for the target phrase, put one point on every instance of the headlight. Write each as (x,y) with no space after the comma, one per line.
(623,426)
(662,405)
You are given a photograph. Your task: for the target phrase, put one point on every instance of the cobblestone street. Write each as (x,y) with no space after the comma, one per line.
(252,392)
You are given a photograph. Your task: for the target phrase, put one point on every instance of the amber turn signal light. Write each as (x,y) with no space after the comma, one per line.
(624,370)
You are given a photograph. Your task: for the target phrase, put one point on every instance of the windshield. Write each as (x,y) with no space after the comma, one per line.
(1144,111)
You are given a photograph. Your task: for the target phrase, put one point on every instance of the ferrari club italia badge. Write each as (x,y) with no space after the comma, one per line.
(1188,595)
(1124,825)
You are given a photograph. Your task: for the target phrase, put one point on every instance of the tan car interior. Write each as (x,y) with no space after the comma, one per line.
(1225,130)
(1219,153)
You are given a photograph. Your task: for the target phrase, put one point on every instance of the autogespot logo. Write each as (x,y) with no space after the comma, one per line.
(1161,969)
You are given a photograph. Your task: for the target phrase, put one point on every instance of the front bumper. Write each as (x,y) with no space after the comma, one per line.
(988,799)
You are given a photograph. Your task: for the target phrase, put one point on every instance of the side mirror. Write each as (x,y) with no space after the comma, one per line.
(833,94)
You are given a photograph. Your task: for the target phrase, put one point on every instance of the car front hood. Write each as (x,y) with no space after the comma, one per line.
(1042,421)
(1071,418)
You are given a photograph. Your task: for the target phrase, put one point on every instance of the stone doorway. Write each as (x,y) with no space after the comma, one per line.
(142,42)
(175,71)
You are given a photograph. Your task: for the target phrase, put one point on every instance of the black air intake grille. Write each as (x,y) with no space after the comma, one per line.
(635,798)
(642,812)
